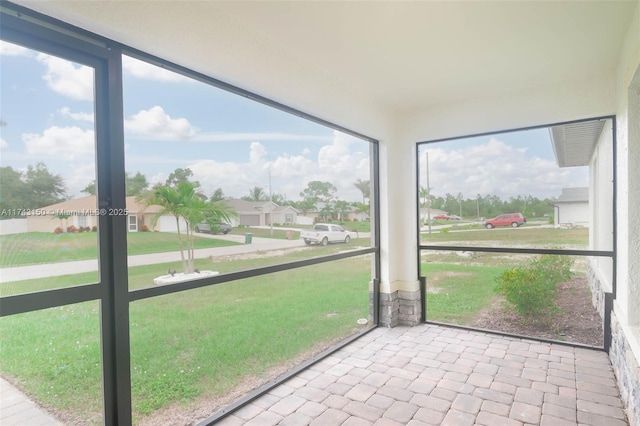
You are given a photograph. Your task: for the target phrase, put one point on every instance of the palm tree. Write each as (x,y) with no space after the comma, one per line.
(172,200)
(198,211)
(365,187)
(256,194)
(361,209)
(183,202)
(341,208)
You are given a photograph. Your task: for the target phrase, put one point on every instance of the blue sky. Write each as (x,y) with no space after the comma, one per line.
(228,141)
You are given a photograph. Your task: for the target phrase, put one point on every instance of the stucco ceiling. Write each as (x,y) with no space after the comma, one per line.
(396,55)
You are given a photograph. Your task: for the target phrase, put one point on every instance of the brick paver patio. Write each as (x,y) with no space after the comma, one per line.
(436,375)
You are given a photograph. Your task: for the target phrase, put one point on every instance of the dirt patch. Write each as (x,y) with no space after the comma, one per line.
(577,322)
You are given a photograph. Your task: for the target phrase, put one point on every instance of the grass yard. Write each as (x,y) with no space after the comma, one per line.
(457,293)
(188,344)
(547,237)
(43,247)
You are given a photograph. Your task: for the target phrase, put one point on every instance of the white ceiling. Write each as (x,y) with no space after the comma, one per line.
(397,55)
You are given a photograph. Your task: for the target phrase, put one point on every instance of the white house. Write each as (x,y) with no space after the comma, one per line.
(572,207)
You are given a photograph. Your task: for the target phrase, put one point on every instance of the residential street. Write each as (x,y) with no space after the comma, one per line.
(63,268)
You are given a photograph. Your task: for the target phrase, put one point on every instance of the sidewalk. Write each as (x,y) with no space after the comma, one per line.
(17,409)
(28,272)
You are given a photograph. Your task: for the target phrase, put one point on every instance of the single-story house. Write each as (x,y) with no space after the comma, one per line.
(261,213)
(572,207)
(83,212)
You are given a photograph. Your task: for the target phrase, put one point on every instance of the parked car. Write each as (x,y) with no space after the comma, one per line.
(325,233)
(442,217)
(509,219)
(215,228)
(455,217)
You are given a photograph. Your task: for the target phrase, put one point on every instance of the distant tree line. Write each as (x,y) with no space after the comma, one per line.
(486,206)
(34,188)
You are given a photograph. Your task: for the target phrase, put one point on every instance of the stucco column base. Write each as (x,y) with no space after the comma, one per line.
(401,306)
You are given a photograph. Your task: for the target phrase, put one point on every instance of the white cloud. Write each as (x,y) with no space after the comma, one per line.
(67,78)
(148,71)
(78,116)
(257,153)
(81,175)
(342,162)
(62,142)
(10,49)
(155,122)
(496,168)
(239,137)
(3,144)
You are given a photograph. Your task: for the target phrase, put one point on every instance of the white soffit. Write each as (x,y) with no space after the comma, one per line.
(574,143)
(399,55)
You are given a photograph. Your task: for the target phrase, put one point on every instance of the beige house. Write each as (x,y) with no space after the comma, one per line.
(261,213)
(83,212)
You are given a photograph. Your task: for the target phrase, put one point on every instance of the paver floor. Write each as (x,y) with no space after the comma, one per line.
(424,375)
(436,375)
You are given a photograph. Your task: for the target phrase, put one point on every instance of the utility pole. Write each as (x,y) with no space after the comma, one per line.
(428,194)
(270,204)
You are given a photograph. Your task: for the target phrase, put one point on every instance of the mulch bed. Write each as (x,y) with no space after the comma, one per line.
(577,322)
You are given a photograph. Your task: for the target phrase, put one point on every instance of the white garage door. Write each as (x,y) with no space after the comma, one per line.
(168,224)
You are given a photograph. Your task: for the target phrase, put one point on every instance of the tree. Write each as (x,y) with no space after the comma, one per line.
(318,191)
(181,175)
(217,195)
(341,207)
(90,188)
(361,209)
(183,202)
(135,185)
(12,190)
(326,212)
(365,187)
(43,187)
(172,201)
(256,194)
(305,206)
(279,199)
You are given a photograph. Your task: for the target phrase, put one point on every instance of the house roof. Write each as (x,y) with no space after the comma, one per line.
(573,143)
(255,207)
(88,203)
(574,195)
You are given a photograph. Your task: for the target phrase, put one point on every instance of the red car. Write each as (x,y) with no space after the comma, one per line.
(510,219)
(442,217)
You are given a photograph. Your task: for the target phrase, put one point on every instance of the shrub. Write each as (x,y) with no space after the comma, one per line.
(58,230)
(72,228)
(81,229)
(94,228)
(532,290)
(144,228)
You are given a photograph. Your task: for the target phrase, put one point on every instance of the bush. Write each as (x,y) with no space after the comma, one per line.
(94,228)
(144,228)
(58,230)
(532,290)
(72,228)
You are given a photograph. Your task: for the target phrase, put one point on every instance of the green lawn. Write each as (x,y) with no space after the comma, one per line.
(457,293)
(43,247)
(188,344)
(519,236)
